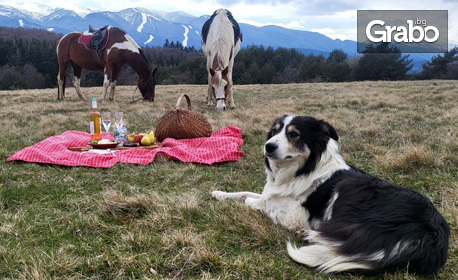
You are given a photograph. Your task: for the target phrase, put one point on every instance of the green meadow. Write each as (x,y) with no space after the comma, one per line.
(158,221)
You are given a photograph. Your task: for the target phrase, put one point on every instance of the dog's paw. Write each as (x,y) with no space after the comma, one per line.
(254,203)
(219,195)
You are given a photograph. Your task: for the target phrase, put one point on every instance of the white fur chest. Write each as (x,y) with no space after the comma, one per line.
(287,211)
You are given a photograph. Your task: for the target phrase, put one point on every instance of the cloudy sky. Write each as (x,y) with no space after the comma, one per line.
(336,19)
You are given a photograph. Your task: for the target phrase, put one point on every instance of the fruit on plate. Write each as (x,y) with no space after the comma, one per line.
(138,138)
(130,138)
(146,141)
(152,137)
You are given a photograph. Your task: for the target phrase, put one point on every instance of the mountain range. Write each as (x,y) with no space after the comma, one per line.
(152,28)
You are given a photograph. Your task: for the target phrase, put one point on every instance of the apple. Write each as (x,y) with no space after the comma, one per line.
(138,138)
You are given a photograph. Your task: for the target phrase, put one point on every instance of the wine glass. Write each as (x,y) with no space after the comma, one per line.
(106,120)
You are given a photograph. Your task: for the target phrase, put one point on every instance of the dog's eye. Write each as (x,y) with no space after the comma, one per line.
(293,134)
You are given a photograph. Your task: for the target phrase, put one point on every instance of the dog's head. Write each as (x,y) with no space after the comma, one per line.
(298,138)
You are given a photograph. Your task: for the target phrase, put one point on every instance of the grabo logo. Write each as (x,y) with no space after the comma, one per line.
(410,31)
(414,32)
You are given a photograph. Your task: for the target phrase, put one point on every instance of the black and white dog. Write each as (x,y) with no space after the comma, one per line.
(351,220)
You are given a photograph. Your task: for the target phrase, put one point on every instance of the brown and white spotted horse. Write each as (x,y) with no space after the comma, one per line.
(221,39)
(117,49)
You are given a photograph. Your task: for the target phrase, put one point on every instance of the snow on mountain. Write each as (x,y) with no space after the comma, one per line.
(59,16)
(12,12)
(152,28)
(151,37)
(140,27)
(185,35)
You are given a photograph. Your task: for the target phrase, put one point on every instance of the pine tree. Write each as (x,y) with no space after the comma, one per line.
(383,62)
(437,67)
(336,68)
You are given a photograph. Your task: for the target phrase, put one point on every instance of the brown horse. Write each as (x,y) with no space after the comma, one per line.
(119,48)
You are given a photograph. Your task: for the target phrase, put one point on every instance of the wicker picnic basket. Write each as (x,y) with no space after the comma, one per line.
(178,123)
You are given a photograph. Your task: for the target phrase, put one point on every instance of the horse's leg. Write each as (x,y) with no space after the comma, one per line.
(106,84)
(230,94)
(112,90)
(209,92)
(60,87)
(114,78)
(77,71)
(61,80)
(229,86)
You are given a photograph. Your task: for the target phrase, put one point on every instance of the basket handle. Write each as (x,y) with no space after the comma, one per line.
(187,99)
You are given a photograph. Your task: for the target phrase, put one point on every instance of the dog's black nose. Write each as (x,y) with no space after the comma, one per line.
(271,147)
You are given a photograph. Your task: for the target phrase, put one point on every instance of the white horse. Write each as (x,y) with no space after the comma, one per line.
(221,39)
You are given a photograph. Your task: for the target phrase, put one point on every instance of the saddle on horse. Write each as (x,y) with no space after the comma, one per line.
(98,37)
(95,39)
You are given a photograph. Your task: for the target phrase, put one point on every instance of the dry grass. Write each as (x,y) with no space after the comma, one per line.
(159,221)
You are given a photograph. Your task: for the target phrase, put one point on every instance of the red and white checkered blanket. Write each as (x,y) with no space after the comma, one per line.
(223,145)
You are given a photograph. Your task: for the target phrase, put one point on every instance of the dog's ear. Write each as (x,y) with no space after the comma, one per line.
(328,129)
(270,133)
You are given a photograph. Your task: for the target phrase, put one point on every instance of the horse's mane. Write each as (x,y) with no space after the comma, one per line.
(143,55)
(235,26)
(221,47)
(112,27)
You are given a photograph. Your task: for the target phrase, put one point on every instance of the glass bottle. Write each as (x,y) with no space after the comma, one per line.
(95,122)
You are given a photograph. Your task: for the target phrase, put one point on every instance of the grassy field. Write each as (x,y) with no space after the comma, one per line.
(159,221)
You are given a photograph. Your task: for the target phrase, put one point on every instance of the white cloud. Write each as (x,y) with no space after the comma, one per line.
(341,34)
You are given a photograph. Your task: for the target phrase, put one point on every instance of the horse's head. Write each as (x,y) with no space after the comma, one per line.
(147,85)
(220,84)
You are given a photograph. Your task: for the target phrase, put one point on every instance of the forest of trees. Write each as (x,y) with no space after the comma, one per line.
(28,60)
